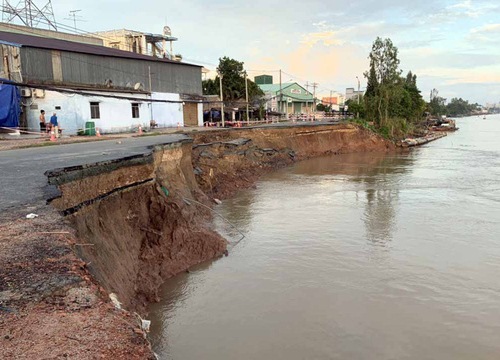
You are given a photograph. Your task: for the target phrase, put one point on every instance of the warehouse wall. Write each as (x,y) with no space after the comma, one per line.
(46,66)
(73,110)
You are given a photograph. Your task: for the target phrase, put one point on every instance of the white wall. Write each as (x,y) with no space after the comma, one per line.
(168,114)
(200,114)
(115,114)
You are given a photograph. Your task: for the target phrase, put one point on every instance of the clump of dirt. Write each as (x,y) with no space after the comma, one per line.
(226,161)
(129,231)
(50,307)
(140,238)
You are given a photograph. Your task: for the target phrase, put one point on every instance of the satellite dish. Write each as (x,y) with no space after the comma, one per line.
(167,31)
(138,86)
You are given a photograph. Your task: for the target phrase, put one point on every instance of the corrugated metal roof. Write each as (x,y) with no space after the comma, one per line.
(289,90)
(273,88)
(9,43)
(63,45)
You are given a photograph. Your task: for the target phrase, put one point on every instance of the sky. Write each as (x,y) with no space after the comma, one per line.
(451,45)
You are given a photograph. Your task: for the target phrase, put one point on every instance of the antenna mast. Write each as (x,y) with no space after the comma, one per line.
(29,13)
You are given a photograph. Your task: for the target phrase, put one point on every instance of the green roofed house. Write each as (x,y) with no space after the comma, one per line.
(294,98)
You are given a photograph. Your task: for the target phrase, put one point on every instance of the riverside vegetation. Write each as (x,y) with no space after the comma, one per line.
(392,105)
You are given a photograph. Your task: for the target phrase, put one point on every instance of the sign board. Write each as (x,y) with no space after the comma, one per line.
(296,91)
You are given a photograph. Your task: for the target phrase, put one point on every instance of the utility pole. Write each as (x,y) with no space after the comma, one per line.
(72,14)
(281,97)
(246,94)
(150,91)
(330,100)
(314,85)
(357,115)
(27,12)
(307,100)
(221,101)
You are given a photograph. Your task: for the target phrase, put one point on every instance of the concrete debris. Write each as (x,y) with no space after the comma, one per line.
(145,325)
(114,300)
(197,171)
(237,142)
(207,154)
(79,298)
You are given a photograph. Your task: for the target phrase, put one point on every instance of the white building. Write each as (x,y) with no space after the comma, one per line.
(117,90)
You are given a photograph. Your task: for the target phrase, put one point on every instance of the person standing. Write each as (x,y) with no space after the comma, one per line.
(43,126)
(54,125)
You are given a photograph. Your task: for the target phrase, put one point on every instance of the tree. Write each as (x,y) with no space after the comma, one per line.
(436,104)
(321,107)
(391,101)
(355,107)
(383,76)
(460,107)
(233,82)
(415,105)
(210,87)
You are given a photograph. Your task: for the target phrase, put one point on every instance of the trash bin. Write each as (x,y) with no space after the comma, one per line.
(90,128)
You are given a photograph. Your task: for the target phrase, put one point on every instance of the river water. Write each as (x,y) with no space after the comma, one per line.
(363,256)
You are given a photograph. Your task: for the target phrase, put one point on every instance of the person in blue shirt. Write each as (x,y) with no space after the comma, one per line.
(54,124)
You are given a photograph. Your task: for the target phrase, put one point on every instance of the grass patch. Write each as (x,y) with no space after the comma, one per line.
(44,144)
(155,133)
(391,129)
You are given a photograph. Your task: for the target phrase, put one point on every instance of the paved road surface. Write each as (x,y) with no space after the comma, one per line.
(22,171)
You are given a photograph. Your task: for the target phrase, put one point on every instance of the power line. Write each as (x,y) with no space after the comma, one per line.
(97,35)
(87,93)
(75,17)
(28,13)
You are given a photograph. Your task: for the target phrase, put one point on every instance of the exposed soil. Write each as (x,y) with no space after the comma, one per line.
(226,161)
(50,306)
(140,238)
(57,273)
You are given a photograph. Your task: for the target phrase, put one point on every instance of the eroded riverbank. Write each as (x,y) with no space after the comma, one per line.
(129,225)
(355,256)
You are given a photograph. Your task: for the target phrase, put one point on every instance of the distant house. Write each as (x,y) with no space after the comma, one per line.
(159,45)
(21,29)
(289,98)
(351,94)
(335,101)
(117,90)
(329,100)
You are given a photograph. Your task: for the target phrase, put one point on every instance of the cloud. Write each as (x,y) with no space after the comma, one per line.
(447,43)
(418,58)
(475,92)
(486,75)
(486,33)
(331,35)
(460,10)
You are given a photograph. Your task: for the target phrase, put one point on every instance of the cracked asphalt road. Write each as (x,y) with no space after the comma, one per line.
(22,171)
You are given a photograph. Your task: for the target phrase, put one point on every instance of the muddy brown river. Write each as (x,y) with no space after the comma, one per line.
(363,256)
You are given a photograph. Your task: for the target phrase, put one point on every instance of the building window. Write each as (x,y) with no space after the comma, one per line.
(94,110)
(135,110)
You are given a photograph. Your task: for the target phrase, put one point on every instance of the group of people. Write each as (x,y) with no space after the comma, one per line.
(52,125)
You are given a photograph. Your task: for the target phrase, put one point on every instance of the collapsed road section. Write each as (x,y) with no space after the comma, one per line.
(125,225)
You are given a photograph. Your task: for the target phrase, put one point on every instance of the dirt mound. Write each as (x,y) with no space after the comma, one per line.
(50,307)
(141,237)
(131,224)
